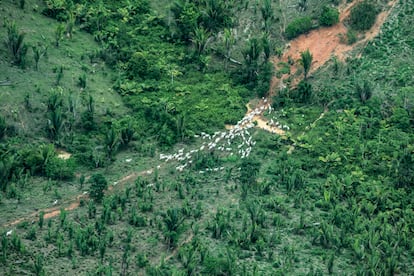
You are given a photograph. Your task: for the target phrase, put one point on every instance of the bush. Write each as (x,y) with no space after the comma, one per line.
(304,92)
(60,169)
(298,26)
(329,16)
(363,16)
(351,37)
(98,185)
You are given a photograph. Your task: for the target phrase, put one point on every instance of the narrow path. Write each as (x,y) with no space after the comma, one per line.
(73,203)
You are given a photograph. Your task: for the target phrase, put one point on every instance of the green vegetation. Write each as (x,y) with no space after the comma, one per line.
(114,121)
(306,61)
(298,26)
(363,15)
(329,16)
(15,43)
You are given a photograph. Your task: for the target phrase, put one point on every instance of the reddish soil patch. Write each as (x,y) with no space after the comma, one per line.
(325,43)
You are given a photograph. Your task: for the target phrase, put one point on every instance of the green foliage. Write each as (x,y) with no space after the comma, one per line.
(248,175)
(298,26)
(351,37)
(82,81)
(217,14)
(60,169)
(186,17)
(199,39)
(363,15)
(173,220)
(251,56)
(4,248)
(56,9)
(329,16)
(304,91)
(98,185)
(55,124)
(127,132)
(404,170)
(363,91)
(267,14)
(38,265)
(88,117)
(3,127)
(111,142)
(306,59)
(15,43)
(59,31)
(138,66)
(38,52)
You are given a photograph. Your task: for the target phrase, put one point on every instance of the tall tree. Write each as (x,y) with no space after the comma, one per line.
(251,56)
(306,60)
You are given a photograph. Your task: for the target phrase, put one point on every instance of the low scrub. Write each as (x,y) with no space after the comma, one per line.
(363,16)
(329,16)
(298,26)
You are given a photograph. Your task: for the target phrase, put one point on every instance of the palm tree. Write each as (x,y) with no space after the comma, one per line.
(267,13)
(127,133)
(200,39)
(229,41)
(173,219)
(14,42)
(38,52)
(111,142)
(306,60)
(55,124)
(251,56)
(267,46)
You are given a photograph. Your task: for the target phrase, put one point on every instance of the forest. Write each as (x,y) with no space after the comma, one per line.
(206,137)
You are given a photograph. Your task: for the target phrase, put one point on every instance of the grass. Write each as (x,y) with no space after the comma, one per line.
(72,55)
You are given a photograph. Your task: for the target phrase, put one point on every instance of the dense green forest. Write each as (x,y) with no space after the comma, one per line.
(184,137)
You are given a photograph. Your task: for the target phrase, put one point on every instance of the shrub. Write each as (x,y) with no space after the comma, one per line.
(304,91)
(60,169)
(329,16)
(351,37)
(298,26)
(98,185)
(363,16)
(363,91)
(15,43)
